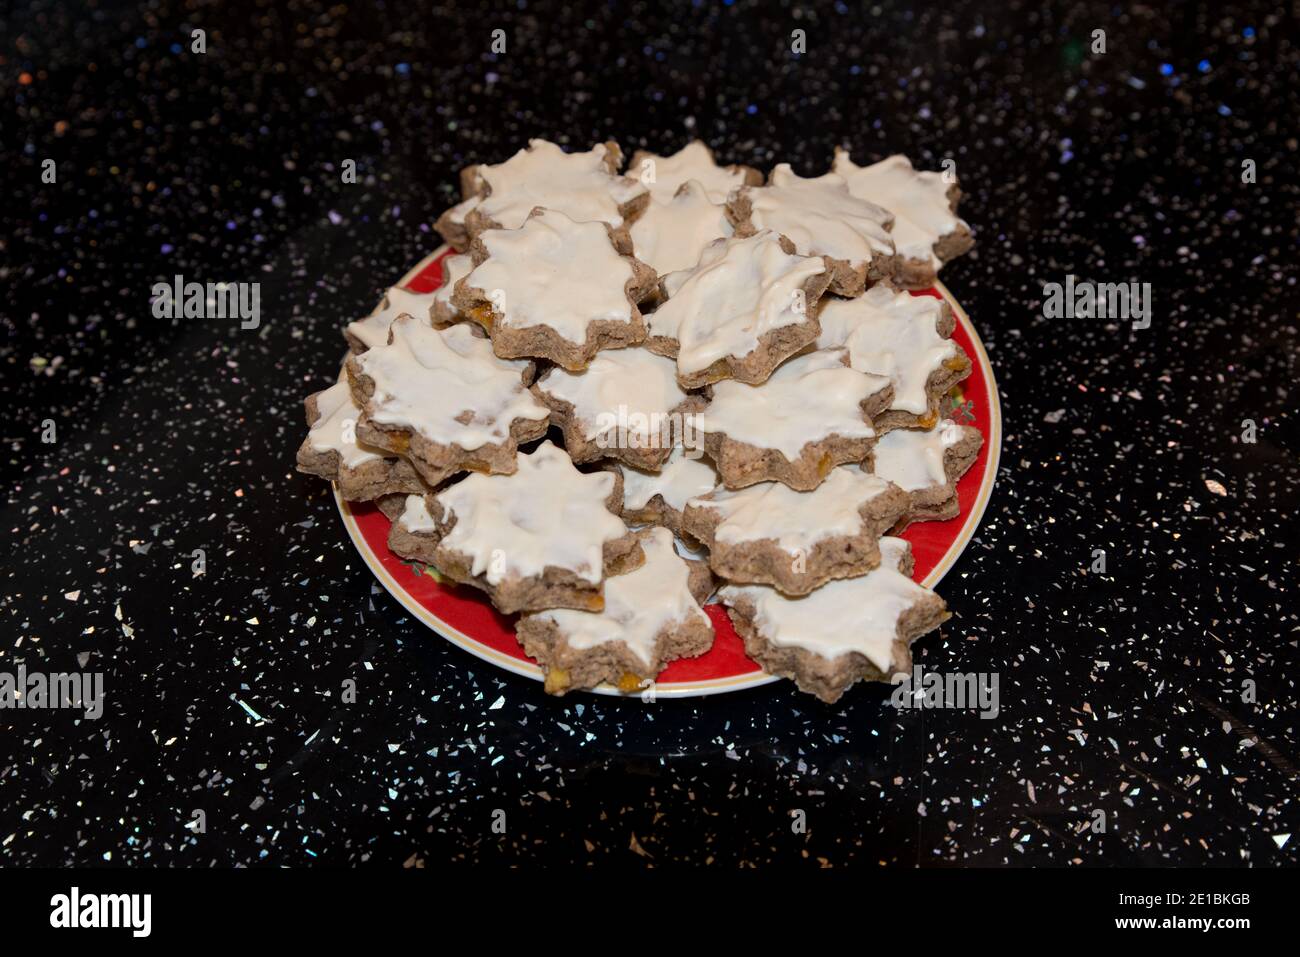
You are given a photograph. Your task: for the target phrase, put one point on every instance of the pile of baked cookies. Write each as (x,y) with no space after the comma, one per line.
(742,397)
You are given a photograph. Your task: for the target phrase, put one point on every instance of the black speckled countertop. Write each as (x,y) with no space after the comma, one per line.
(1121,692)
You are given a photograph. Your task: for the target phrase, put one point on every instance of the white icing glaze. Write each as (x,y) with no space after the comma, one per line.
(673,281)
(639,606)
(415,515)
(372,331)
(890,334)
(912,458)
(820,216)
(336,409)
(555,272)
(847,614)
(458,212)
(805,399)
(671,236)
(918,200)
(681,478)
(429,378)
(797,520)
(692,162)
(545,514)
(577,184)
(623,390)
(740,289)
(454,269)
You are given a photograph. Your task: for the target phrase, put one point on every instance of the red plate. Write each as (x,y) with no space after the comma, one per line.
(464,616)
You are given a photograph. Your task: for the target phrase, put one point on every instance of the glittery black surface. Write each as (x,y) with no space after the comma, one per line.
(1121,692)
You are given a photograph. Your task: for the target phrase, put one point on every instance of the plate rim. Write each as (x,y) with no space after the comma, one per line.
(711,686)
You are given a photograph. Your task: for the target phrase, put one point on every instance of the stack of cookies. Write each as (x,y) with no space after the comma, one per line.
(637,390)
